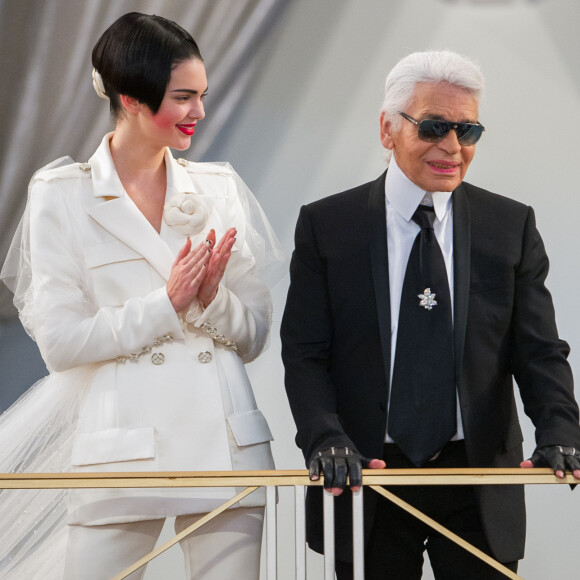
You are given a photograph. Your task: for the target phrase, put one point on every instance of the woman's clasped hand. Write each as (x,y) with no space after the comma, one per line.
(197,272)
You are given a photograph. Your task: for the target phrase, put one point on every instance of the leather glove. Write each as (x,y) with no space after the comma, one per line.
(557,457)
(336,463)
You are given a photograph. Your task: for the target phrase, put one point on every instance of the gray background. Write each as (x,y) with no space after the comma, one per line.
(307,126)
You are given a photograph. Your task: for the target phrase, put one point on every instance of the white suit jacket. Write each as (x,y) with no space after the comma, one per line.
(168,391)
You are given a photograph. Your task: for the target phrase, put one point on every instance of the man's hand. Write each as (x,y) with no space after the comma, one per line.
(558,457)
(338,462)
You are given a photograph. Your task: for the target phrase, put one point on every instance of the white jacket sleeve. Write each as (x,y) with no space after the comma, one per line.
(61,312)
(240,315)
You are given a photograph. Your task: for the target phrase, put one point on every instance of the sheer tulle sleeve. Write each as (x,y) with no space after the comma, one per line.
(241,312)
(36,434)
(52,285)
(260,239)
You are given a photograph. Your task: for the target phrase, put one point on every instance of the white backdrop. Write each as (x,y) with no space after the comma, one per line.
(308,127)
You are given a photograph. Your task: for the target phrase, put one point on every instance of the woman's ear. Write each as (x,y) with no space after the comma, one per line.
(131,105)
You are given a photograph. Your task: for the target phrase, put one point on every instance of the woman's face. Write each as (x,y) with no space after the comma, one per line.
(181,108)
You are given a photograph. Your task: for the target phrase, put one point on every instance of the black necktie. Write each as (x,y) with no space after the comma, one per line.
(422,412)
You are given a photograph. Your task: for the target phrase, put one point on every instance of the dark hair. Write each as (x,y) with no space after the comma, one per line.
(135,57)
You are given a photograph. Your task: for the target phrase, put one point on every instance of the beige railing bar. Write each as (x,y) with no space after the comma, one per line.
(444,531)
(251,480)
(281,478)
(184,533)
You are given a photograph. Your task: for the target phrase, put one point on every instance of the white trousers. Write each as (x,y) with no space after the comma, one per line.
(226,547)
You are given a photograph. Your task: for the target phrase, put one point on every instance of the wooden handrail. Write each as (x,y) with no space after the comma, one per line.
(452,476)
(251,480)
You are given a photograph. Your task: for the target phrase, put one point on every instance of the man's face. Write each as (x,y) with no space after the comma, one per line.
(433,166)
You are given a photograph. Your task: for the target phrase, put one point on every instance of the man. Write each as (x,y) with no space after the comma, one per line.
(401,341)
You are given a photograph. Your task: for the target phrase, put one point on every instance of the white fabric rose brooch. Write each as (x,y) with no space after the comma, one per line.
(186,213)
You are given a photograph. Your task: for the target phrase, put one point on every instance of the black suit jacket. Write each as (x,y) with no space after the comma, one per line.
(336,344)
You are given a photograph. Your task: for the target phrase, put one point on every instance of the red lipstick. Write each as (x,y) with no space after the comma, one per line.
(187,129)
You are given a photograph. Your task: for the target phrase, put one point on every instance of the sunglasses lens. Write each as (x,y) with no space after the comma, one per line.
(469,134)
(434,131)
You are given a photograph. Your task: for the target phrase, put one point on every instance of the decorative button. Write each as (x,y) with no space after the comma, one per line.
(157,358)
(231,345)
(208,328)
(135,356)
(183,162)
(85,166)
(204,357)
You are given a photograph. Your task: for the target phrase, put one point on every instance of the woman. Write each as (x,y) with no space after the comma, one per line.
(142,280)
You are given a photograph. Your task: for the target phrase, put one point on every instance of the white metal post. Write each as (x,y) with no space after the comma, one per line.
(271,547)
(328,514)
(300,532)
(358,535)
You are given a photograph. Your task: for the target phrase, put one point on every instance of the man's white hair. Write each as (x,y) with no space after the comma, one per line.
(433,66)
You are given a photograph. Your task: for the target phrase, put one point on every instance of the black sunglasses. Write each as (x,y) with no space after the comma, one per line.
(434,131)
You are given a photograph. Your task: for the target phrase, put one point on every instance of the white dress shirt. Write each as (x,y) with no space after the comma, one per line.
(402,199)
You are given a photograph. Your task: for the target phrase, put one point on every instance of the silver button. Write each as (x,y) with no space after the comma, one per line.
(207,327)
(231,345)
(157,358)
(204,357)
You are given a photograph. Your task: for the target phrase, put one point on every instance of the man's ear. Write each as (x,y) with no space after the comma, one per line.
(131,105)
(386,138)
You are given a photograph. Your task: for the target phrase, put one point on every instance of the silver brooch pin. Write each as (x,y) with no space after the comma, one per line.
(427,299)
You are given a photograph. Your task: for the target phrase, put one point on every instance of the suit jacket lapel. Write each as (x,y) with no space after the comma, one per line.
(115,211)
(461,271)
(380,266)
(122,219)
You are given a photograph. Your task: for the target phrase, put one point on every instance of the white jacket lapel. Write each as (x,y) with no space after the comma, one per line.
(117,213)
(121,218)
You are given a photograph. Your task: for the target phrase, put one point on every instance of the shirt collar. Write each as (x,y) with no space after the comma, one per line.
(404,196)
(106,180)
